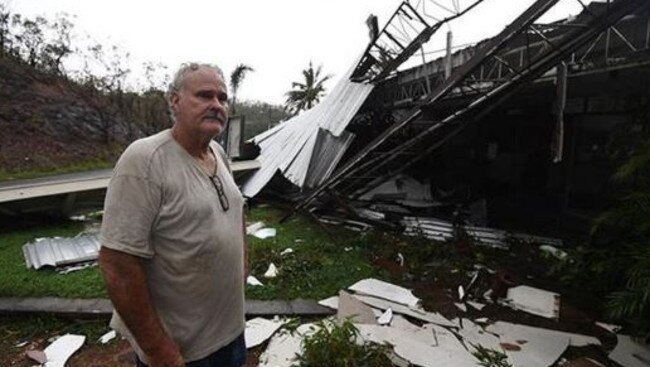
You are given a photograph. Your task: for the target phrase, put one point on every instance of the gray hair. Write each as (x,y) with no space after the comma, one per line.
(179,78)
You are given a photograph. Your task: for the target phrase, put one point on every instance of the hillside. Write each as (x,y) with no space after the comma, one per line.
(48,122)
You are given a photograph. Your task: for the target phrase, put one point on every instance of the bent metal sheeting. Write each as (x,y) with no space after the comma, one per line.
(289,147)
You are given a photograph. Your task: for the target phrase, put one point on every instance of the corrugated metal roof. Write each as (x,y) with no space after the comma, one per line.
(61,251)
(328,152)
(439,230)
(289,147)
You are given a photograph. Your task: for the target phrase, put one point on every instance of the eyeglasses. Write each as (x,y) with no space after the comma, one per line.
(218,185)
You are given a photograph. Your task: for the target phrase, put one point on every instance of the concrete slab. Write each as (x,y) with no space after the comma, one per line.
(353,309)
(65,306)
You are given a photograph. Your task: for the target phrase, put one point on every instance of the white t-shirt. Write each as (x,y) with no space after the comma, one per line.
(161,206)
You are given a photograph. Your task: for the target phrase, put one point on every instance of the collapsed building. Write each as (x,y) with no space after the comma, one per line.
(512,131)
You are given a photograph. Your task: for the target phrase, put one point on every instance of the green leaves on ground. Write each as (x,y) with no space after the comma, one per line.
(336,345)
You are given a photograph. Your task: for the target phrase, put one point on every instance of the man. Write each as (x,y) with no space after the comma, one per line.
(173,245)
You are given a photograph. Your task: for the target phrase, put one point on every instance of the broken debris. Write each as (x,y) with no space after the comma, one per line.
(59,251)
(265,233)
(287,251)
(73,268)
(259,329)
(537,347)
(354,310)
(535,301)
(554,251)
(629,353)
(251,280)
(609,327)
(37,355)
(285,346)
(386,317)
(437,347)
(63,348)
(417,313)
(271,272)
(108,337)
(476,305)
(254,227)
(387,291)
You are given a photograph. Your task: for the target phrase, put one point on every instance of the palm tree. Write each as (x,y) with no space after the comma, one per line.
(307,94)
(236,78)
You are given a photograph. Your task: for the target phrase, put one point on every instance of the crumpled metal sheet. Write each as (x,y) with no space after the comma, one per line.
(59,251)
(289,147)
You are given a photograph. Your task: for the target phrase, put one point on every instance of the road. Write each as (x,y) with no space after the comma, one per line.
(31,194)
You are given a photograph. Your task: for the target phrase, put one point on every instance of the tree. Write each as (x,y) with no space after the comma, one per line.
(59,46)
(236,78)
(32,38)
(307,94)
(5,21)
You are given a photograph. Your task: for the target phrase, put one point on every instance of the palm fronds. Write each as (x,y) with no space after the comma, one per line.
(236,78)
(305,95)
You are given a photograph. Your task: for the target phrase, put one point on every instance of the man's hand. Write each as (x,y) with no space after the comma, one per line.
(167,355)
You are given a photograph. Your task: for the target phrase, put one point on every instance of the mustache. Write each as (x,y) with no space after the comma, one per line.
(213,114)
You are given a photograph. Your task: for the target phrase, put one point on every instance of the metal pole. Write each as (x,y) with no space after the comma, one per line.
(558,138)
(448,59)
(424,68)
(607,41)
(608,37)
(647,35)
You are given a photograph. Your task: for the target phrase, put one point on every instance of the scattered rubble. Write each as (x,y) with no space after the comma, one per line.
(350,308)
(404,190)
(73,268)
(609,327)
(528,346)
(271,272)
(259,329)
(252,228)
(37,355)
(108,337)
(554,251)
(535,301)
(629,353)
(265,233)
(386,317)
(286,251)
(284,346)
(251,280)
(63,348)
(387,291)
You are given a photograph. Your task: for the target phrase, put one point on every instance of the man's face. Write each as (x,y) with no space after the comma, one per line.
(201,105)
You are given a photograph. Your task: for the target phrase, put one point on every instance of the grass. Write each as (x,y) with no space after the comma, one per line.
(318,268)
(320,265)
(16,280)
(77,167)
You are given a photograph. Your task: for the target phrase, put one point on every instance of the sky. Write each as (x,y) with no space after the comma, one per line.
(278,38)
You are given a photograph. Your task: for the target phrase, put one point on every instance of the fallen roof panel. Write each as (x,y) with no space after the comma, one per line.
(288,148)
(61,251)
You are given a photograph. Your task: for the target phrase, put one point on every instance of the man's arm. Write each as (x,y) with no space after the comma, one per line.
(127,287)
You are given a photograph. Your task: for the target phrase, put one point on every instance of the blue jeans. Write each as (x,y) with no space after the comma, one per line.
(232,355)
